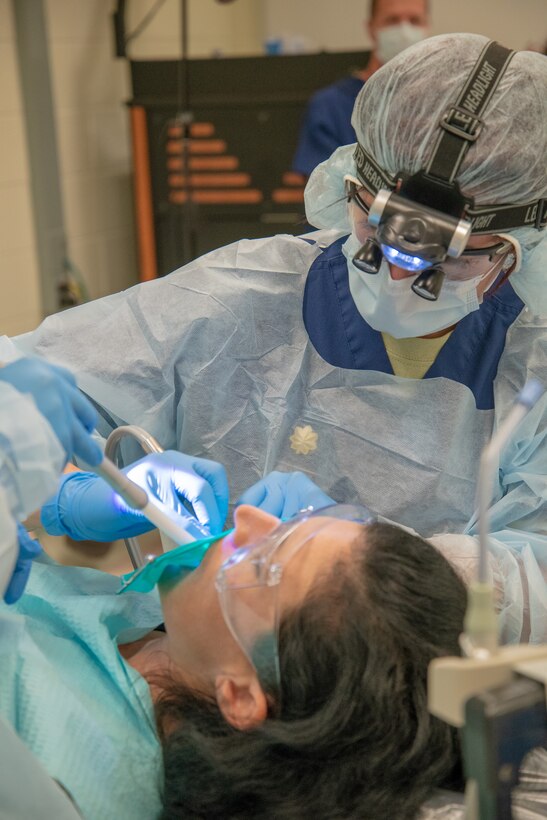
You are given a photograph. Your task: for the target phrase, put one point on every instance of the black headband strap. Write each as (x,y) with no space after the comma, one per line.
(460,126)
(461,123)
(484,218)
(370,173)
(500,218)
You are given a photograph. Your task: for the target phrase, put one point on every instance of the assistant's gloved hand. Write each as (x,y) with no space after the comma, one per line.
(285,494)
(28,549)
(87,509)
(57,397)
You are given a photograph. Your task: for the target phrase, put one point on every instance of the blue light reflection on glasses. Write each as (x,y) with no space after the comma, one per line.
(404,260)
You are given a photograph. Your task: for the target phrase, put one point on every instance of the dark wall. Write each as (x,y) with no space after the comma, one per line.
(246,117)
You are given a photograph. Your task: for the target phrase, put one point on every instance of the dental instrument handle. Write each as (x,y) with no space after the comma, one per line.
(165,524)
(480,624)
(132,494)
(526,399)
(138,499)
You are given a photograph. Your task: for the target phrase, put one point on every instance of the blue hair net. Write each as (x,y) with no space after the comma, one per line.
(396,118)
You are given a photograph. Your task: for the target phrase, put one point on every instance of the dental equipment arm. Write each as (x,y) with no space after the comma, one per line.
(496,695)
(481,623)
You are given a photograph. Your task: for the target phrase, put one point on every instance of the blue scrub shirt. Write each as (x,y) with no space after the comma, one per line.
(327,123)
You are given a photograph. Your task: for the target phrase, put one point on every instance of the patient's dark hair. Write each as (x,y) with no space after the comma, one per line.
(352,737)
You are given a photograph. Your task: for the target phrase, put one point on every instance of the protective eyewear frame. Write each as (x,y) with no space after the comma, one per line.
(352,193)
(248,584)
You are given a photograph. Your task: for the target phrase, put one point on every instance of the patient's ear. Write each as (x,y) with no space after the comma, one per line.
(241,700)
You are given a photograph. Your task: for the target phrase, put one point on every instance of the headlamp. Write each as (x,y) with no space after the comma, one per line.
(414,235)
(404,260)
(423,219)
(369,257)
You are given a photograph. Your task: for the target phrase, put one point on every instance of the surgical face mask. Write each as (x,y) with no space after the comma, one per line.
(389,305)
(394,39)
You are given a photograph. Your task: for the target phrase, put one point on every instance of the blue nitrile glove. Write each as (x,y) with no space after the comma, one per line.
(285,494)
(57,397)
(28,549)
(175,478)
(87,509)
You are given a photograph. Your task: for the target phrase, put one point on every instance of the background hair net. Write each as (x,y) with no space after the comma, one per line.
(396,118)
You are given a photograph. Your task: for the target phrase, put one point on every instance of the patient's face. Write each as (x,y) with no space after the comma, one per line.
(199,642)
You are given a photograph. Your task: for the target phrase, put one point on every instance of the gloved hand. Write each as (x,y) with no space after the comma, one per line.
(28,549)
(285,494)
(176,478)
(86,508)
(57,397)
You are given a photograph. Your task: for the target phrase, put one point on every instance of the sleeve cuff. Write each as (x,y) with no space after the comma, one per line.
(50,513)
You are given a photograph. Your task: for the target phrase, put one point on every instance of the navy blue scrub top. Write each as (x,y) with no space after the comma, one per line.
(327,124)
(343,338)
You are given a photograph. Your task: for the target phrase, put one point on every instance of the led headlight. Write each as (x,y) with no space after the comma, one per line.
(413,235)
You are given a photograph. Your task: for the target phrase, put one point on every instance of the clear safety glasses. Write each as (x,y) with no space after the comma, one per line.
(248,583)
(473,263)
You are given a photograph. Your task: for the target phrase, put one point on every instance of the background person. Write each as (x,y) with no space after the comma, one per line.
(392,26)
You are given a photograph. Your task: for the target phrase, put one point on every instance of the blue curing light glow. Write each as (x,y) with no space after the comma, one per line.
(404,260)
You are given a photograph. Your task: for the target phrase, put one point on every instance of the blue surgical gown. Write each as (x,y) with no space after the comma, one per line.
(256,356)
(31,458)
(326,124)
(83,712)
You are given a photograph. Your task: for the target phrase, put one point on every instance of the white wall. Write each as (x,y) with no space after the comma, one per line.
(90,87)
(233,29)
(338,25)
(19,284)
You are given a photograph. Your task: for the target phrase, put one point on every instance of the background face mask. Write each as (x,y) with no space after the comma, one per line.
(394,39)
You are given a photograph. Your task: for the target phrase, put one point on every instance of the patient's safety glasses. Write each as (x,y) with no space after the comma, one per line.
(248,583)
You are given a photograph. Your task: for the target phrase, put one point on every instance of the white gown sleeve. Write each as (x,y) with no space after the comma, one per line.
(26,789)
(518,570)
(31,456)
(31,459)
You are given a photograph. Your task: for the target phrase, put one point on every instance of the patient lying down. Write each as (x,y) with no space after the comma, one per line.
(290,680)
